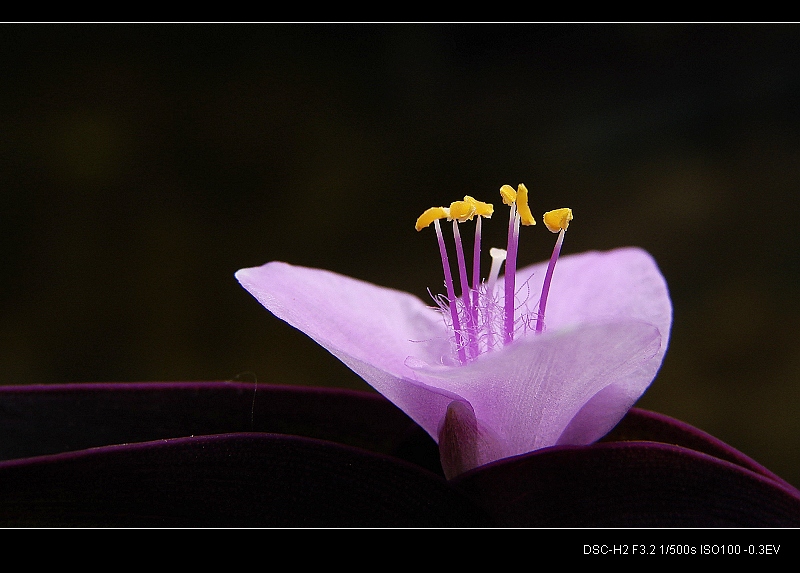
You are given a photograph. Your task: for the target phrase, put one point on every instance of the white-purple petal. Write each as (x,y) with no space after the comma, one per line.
(373,330)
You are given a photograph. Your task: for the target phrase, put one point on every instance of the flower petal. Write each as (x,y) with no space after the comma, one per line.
(373,330)
(597,286)
(378,325)
(607,322)
(529,393)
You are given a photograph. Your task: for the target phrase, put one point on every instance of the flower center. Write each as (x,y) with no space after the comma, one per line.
(477,320)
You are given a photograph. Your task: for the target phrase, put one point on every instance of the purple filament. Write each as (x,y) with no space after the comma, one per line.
(547,278)
(451,295)
(511,271)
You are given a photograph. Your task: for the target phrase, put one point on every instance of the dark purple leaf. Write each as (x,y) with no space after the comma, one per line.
(629,484)
(251,479)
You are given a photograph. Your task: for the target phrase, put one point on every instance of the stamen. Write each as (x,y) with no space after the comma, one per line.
(508,194)
(462,265)
(481,209)
(451,295)
(460,212)
(462,276)
(520,213)
(476,270)
(430,215)
(525,215)
(511,274)
(556,222)
(433,215)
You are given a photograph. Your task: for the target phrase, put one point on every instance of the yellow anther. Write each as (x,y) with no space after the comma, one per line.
(557,220)
(461,211)
(431,215)
(525,215)
(520,198)
(508,194)
(481,209)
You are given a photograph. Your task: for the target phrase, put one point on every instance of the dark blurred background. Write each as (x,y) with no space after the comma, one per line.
(142,165)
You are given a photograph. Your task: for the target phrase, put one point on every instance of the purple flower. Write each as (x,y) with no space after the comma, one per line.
(496,372)
(481,385)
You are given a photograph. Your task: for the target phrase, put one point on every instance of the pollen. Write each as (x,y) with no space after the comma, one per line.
(508,194)
(557,220)
(525,215)
(481,209)
(461,211)
(431,215)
